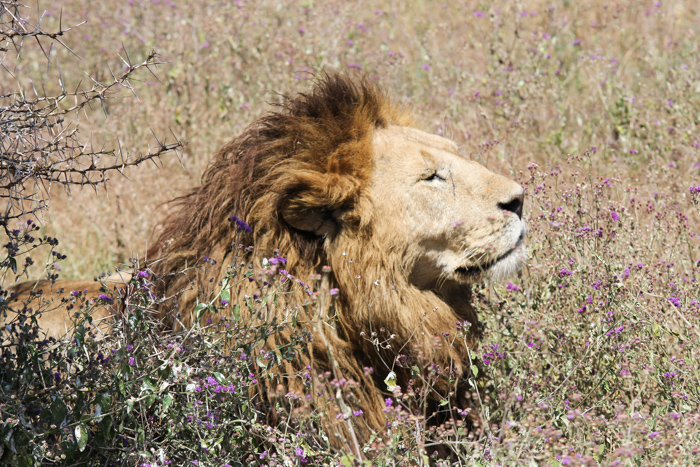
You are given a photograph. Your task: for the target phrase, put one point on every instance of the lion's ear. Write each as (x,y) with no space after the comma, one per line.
(317,220)
(319,203)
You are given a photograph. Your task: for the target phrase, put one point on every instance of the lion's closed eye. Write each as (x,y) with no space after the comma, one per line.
(433,176)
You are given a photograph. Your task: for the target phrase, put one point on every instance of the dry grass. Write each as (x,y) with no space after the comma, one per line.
(539,95)
(593,106)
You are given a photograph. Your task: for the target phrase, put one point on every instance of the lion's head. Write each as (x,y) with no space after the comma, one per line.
(338,177)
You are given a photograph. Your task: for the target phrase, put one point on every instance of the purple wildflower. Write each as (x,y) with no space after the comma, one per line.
(240,224)
(105,297)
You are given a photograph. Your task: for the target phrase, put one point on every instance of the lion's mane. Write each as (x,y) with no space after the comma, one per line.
(312,158)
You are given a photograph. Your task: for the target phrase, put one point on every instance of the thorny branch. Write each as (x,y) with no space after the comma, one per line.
(40,141)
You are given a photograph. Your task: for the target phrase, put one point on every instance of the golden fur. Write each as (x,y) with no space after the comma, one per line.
(337,177)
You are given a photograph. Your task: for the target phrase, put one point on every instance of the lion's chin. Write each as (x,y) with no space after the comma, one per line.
(509,264)
(503,267)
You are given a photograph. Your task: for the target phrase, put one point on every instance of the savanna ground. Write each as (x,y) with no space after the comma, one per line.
(591,356)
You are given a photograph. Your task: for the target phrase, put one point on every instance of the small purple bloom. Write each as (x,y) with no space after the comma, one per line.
(240,224)
(105,297)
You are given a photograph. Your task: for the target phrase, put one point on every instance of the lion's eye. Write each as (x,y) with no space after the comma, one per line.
(433,177)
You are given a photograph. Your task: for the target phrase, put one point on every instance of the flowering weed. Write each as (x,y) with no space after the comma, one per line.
(591,357)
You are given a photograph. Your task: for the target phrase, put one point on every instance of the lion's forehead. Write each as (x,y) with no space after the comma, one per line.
(395,134)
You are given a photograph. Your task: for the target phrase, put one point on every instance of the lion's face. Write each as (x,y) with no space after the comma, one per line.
(453,219)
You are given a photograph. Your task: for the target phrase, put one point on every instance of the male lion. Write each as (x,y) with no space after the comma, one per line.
(339,178)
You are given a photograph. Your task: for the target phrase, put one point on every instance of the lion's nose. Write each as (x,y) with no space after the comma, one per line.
(515,205)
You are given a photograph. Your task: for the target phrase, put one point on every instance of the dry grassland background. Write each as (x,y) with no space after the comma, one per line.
(511,82)
(592,355)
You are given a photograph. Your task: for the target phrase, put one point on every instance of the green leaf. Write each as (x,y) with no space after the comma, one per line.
(25,460)
(13,265)
(237,312)
(81,437)
(199,308)
(148,385)
(167,401)
(226,292)
(390,381)
(475,370)
(58,411)
(347,460)
(150,400)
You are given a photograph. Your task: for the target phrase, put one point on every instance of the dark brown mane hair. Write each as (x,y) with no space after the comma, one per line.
(296,177)
(314,152)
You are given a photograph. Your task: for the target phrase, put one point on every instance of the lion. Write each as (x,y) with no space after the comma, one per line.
(339,178)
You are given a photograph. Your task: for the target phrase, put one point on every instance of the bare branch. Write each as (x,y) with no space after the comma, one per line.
(40,141)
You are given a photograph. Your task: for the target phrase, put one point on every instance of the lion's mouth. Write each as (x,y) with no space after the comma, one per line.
(473,271)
